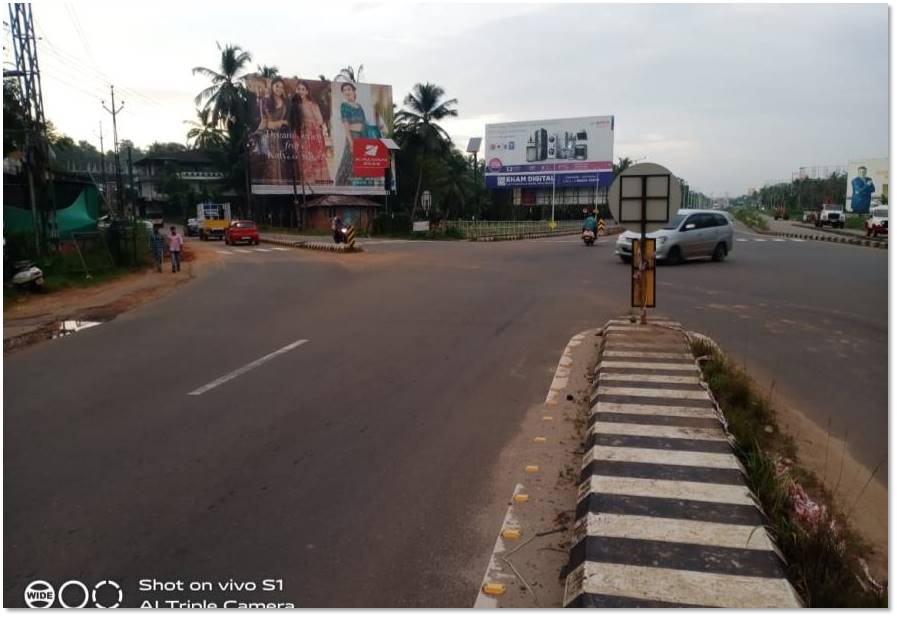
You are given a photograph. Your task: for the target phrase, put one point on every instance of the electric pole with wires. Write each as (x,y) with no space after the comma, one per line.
(118,181)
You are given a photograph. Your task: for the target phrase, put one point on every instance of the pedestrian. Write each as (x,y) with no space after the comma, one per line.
(175,242)
(157,244)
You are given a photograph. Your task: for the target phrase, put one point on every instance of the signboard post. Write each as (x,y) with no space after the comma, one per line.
(426,199)
(642,199)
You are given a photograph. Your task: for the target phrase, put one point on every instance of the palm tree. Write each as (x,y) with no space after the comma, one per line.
(204,134)
(349,74)
(416,126)
(623,163)
(268,72)
(223,96)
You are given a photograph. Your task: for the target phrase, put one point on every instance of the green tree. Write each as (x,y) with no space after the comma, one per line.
(224,95)
(622,164)
(268,72)
(416,127)
(350,74)
(204,134)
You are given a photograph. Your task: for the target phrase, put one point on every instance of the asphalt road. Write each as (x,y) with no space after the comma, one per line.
(355,466)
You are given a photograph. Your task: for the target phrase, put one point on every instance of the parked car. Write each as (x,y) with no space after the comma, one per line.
(192,227)
(689,234)
(241,231)
(877,223)
(831,215)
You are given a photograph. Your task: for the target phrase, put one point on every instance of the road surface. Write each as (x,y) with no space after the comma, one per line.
(348,411)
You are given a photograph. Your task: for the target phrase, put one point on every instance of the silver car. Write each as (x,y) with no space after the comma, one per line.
(689,234)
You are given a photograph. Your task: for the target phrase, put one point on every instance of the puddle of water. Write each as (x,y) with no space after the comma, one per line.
(70,326)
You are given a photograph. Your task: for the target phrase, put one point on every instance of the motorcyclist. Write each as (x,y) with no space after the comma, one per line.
(590,224)
(338,230)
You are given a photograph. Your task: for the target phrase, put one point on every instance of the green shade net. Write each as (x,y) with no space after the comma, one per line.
(81,215)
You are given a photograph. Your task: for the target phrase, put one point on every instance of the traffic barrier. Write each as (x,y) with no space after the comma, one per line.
(315,246)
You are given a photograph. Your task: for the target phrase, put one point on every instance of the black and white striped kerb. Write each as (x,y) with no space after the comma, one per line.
(664,518)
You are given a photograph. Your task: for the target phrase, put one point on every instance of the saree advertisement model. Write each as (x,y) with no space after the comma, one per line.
(305,131)
(561,152)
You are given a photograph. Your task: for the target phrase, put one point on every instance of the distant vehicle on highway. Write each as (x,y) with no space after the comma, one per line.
(689,234)
(877,223)
(192,227)
(808,216)
(242,231)
(831,215)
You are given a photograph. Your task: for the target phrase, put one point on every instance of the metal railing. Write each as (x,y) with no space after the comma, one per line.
(473,230)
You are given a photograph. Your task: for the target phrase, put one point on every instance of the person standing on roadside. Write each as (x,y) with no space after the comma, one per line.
(175,242)
(157,244)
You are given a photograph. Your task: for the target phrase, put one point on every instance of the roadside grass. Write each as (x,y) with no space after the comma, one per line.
(751,218)
(821,551)
(855,221)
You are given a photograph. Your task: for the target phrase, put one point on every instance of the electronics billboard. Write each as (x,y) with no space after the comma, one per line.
(305,132)
(562,153)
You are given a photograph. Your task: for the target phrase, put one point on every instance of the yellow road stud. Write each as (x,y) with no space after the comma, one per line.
(494,589)
(547,418)
(521,498)
(539,440)
(510,534)
(532,468)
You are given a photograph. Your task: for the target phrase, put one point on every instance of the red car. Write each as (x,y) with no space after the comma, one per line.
(241,231)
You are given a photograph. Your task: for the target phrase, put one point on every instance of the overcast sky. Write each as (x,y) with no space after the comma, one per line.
(727,96)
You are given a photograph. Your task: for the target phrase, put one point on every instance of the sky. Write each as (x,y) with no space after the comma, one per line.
(728,97)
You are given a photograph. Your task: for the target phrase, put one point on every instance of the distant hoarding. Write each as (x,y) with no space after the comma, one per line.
(562,153)
(867,184)
(305,132)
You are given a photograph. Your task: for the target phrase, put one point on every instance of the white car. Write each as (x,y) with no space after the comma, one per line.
(877,223)
(689,234)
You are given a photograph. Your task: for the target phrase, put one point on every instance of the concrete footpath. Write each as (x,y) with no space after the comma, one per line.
(664,517)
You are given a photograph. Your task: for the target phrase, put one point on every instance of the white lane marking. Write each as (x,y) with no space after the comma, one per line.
(672,489)
(494,571)
(648,354)
(661,457)
(741,240)
(652,430)
(654,410)
(224,252)
(698,395)
(648,365)
(779,240)
(639,377)
(797,239)
(247,367)
(279,248)
(689,587)
(759,239)
(262,250)
(678,530)
(241,251)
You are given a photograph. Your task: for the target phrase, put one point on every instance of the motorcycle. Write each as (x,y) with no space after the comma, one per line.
(341,235)
(588,237)
(28,275)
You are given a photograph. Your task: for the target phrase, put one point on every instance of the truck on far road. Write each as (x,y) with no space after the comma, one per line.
(877,223)
(830,214)
(212,220)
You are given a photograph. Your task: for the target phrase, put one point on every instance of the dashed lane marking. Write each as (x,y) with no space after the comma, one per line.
(279,248)
(241,251)
(259,250)
(247,367)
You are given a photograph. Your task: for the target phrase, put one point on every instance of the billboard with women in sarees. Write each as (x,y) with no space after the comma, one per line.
(304,132)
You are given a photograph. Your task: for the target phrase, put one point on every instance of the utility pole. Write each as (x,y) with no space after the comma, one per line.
(118,181)
(24,47)
(103,167)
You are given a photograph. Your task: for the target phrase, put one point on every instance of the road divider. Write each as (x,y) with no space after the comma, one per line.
(312,245)
(664,516)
